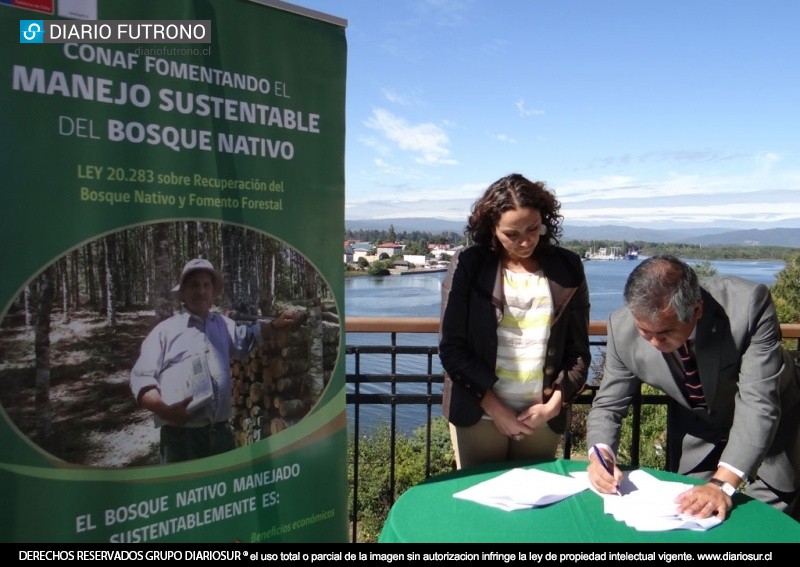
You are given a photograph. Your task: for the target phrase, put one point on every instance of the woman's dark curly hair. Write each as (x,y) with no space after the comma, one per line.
(514,192)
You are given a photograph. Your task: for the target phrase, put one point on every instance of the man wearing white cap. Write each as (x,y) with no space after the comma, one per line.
(183,372)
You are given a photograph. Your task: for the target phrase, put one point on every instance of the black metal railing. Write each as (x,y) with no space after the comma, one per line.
(391,394)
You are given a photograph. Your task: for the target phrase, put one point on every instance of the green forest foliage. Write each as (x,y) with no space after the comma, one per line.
(375,495)
(786,291)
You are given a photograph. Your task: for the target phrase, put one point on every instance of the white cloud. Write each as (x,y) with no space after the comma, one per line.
(444,13)
(767,161)
(504,138)
(395,171)
(376,144)
(524,112)
(680,214)
(672,202)
(427,141)
(401,99)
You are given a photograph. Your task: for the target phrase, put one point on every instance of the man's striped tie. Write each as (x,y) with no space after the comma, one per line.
(692,386)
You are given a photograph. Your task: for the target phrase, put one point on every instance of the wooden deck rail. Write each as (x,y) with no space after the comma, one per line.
(431,325)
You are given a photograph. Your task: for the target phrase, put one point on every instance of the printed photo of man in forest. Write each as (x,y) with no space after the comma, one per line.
(81,324)
(183,375)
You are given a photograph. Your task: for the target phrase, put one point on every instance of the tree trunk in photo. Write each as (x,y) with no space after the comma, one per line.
(147,265)
(102,288)
(89,276)
(202,241)
(191,239)
(110,287)
(227,268)
(240,281)
(74,279)
(123,267)
(266,300)
(178,241)
(316,367)
(42,354)
(65,295)
(249,272)
(164,300)
(28,314)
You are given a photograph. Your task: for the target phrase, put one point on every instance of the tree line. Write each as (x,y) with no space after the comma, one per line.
(416,242)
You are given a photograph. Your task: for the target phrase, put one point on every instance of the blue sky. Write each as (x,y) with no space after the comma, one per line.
(643,113)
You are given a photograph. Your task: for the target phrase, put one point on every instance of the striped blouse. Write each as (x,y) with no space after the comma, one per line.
(522,338)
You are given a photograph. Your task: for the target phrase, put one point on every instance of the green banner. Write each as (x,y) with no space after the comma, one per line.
(121,163)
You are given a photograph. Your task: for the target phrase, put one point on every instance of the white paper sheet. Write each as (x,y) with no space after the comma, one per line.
(520,489)
(648,504)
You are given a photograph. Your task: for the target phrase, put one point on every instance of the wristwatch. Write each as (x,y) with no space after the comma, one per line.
(725,487)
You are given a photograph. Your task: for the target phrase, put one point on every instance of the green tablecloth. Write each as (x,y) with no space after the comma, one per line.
(429,513)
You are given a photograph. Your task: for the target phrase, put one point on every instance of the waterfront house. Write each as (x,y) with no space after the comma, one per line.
(390,249)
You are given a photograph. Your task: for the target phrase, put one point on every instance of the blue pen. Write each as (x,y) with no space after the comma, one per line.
(603,462)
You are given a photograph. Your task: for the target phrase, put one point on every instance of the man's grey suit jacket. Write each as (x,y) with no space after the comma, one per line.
(750,383)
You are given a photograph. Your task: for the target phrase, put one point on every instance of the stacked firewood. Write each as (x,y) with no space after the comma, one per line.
(279,382)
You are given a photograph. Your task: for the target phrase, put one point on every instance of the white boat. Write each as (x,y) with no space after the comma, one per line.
(604,253)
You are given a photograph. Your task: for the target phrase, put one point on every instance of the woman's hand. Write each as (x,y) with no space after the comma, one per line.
(504,418)
(538,414)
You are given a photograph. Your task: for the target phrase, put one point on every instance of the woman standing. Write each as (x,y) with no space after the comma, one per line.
(514,339)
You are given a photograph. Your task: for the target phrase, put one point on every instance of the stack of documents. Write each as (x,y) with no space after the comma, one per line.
(520,489)
(646,503)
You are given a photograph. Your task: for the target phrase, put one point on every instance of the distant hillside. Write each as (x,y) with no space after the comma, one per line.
(631,234)
(709,236)
(408,225)
(789,237)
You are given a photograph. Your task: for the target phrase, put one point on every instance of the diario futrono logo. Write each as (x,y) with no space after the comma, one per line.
(31,31)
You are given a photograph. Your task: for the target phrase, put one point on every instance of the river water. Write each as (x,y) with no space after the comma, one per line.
(419,295)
